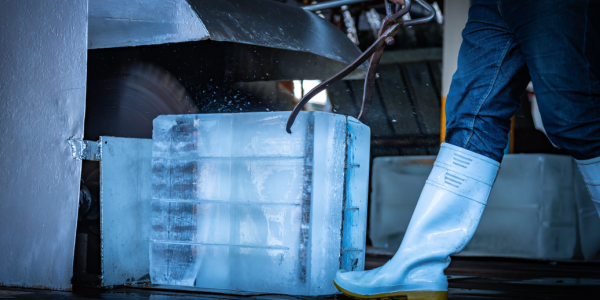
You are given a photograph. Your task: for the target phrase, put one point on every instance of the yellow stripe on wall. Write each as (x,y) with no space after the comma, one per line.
(443,121)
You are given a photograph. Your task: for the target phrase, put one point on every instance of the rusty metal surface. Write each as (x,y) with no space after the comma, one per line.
(42,92)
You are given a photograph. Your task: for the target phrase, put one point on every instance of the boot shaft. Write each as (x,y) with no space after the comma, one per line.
(448,211)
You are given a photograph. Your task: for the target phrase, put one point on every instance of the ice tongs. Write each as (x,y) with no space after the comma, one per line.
(389,27)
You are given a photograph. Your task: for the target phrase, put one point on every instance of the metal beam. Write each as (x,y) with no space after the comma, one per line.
(411,56)
(331,4)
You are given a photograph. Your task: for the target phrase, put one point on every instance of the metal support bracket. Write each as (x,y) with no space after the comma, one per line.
(85,150)
(91,151)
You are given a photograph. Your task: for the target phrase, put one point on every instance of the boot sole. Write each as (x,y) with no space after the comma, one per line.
(408,295)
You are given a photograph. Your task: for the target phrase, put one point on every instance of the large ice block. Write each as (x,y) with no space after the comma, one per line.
(240,204)
(531,211)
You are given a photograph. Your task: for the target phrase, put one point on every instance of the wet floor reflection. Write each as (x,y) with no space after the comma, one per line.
(469,278)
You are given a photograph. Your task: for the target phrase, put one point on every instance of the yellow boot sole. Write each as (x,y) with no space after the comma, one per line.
(408,295)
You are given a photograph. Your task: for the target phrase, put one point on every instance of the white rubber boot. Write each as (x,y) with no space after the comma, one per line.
(590,169)
(446,216)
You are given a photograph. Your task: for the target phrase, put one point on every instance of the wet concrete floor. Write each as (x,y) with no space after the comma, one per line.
(469,279)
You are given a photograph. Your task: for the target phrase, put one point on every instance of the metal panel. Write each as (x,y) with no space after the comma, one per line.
(275,25)
(331,4)
(377,119)
(342,99)
(44,56)
(90,150)
(404,56)
(397,101)
(125,187)
(121,23)
(435,67)
(426,102)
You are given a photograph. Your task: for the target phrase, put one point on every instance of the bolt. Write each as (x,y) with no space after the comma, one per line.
(389,40)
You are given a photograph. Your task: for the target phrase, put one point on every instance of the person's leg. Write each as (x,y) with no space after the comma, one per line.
(560,41)
(484,93)
(456,192)
(561,44)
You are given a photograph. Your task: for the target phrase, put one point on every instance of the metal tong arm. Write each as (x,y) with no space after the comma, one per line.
(340,75)
(369,87)
(423,20)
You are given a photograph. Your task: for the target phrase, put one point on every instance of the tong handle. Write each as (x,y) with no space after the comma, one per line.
(426,19)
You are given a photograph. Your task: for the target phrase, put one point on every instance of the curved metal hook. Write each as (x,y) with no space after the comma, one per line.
(398,14)
(422,20)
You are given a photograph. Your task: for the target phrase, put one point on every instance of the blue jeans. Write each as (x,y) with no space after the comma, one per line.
(507,43)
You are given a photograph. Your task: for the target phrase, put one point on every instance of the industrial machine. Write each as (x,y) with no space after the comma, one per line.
(135,75)
(141,59)
(84,80)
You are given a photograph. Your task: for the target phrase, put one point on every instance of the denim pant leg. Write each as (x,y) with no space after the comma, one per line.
(484,93)
(561,44)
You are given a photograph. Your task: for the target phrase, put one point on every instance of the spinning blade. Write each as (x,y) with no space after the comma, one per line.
(125,102)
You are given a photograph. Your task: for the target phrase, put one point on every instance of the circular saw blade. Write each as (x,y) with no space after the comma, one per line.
(125,103)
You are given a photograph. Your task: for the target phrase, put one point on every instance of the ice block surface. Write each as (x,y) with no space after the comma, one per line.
(240,204)
(530,212)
